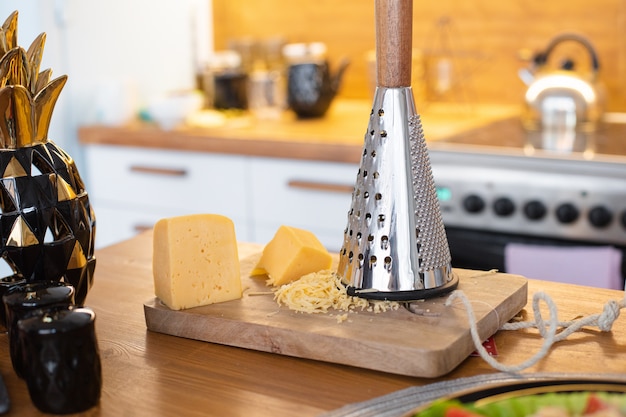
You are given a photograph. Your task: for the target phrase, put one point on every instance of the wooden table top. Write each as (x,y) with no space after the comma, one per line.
(151,374)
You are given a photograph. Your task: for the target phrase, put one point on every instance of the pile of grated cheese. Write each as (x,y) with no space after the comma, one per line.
(319,292)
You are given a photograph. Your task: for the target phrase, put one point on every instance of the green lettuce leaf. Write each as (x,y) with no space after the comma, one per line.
(522,406)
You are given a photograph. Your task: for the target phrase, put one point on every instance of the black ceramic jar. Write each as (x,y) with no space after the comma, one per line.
(61,360)
(6,285)
(31,299)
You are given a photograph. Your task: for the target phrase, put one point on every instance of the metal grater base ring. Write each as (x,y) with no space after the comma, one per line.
(405,296)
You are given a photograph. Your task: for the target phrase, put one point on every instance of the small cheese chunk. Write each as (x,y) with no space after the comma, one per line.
(195,261)
(291,254)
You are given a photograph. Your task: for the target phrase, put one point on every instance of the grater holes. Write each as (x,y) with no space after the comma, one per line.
(364,174)
(384,242)
(370,239)
(373,261)
(375,174)
(373,153)
(366,194)
(368,218)
(378,196)
(381,112)
(381,220)
(383,133)
(387,262)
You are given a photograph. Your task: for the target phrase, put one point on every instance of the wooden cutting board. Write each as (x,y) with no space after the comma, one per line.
(429,343)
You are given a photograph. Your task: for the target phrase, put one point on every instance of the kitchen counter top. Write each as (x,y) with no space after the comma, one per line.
(152,374)
(337,137)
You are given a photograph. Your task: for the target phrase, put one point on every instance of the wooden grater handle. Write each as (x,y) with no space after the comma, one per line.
(394,26)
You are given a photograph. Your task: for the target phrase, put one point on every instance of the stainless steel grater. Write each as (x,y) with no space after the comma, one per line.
(395,246)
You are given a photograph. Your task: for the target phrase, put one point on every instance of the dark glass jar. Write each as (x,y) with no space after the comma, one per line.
(226,81)
(30,299)
(231,90)
(61,360)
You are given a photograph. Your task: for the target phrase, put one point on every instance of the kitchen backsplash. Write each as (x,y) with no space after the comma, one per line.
(464,51)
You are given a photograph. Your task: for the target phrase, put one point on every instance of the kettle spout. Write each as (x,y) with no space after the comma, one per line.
(526,76)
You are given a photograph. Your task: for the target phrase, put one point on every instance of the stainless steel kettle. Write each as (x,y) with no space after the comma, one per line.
(564,102)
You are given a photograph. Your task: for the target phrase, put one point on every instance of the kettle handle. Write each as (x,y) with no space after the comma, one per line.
(542,57)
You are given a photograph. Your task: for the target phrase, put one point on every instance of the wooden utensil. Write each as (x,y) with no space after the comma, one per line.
(394,42)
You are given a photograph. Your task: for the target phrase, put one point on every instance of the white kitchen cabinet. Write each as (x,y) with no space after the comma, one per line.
(114,223)
(312,195)
(131,188)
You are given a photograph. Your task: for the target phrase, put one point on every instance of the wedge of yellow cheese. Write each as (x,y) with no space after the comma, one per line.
(195,261)
(291,254)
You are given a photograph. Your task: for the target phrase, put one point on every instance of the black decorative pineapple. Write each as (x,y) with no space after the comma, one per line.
(47,226)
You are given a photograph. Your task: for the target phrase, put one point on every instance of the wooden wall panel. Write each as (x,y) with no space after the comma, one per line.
(486,36)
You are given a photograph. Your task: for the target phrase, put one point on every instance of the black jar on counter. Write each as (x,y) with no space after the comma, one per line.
(6,285)
(231,91)
(61,360)
(226,81)
(32,299)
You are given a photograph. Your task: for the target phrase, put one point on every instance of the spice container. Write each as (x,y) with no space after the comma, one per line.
(32,299)
(62,363)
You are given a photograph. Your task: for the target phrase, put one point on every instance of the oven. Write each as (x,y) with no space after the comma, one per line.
(507,204)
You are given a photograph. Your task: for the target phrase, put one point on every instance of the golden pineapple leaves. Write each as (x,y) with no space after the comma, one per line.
(14,68)
(8,33)
(27,96)
(34,56)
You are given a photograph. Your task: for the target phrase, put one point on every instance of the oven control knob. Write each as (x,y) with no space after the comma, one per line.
(535,210)
(503,206)
(567,213)
(600,216)
(473,203)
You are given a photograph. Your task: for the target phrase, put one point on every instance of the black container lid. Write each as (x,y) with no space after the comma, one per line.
(38,295)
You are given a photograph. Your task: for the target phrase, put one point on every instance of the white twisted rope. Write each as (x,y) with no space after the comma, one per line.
(547,328)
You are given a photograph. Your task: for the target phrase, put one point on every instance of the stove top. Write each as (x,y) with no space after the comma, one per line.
(500,179)
(508,136)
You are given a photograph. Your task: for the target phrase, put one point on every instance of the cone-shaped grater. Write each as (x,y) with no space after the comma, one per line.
(395,245)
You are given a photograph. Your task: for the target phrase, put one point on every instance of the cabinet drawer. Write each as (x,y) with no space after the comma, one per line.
(115,224)
(176,180)
(310,195)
